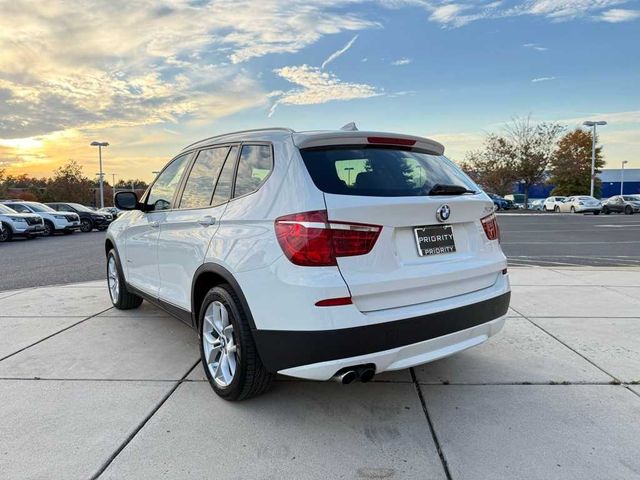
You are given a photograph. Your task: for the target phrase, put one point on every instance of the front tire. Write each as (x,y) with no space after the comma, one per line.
(121,298)
(606,211)
(49,229)
(6,233)
(229,355)
(86,225)
(628,210)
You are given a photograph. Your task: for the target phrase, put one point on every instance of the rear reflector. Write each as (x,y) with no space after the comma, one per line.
(391,141)
(310,239)
(490,225)
(334,302)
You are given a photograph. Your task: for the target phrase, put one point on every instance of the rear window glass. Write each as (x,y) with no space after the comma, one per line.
(380,172)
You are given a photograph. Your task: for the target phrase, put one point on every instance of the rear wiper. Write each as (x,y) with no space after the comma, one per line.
(441,189)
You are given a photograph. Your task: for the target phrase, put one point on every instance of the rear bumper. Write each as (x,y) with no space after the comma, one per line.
(318,354)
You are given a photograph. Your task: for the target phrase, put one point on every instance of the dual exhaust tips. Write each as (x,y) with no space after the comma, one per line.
(348,375)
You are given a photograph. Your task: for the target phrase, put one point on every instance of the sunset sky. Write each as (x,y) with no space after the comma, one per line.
(151,76)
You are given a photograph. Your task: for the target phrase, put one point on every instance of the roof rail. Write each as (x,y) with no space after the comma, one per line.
(284,129)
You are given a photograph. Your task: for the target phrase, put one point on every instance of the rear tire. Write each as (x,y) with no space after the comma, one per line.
(573,210)
(225,341)
(556,209)
(121,298)
(6,233)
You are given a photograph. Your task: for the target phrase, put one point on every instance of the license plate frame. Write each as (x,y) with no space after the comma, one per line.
(429,244)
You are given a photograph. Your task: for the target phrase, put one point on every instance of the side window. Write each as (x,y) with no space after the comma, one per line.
(225,182)
(254,166)
(202,179)
(163,189)
(20,208)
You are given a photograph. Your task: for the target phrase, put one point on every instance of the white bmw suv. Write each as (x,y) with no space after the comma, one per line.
(332,254)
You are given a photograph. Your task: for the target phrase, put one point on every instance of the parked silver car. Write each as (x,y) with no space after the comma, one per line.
(581,204)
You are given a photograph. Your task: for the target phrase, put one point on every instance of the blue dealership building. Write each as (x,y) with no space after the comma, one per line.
(611,179)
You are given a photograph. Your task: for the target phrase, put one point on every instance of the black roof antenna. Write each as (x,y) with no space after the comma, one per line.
(350,127)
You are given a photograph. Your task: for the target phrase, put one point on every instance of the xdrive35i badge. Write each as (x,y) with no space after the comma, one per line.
(443,213)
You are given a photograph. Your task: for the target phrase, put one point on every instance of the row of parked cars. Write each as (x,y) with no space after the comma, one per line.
(627,204)
(33,219)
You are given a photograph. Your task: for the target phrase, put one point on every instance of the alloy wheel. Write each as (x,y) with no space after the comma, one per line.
(219,344)
(85,226)
(113,279)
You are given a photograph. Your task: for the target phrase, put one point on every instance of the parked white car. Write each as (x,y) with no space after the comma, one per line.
(334,254)
(14,224)
(552,204)
(581,204)
(54,222)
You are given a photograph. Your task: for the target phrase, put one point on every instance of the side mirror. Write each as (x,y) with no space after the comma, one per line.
(127,201)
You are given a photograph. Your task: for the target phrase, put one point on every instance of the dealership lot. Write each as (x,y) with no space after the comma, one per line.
(92,392)
(527,239)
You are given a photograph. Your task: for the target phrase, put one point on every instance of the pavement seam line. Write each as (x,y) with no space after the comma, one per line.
(54,334)
(434,436)
(142,424)
(570,348)
(628,387)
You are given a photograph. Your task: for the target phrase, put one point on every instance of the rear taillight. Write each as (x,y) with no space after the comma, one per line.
(490,225)
(310,239)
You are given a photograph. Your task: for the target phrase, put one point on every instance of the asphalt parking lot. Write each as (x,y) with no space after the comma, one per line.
(92,392)
(569,240)
(527,239)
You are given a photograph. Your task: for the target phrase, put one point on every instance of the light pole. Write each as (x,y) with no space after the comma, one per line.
(624,162)
(100,145)
(593,148)
(113,188)
(348,169)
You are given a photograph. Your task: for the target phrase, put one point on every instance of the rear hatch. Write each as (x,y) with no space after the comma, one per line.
(432,244)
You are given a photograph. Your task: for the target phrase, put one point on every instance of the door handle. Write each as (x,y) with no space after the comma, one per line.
(154,224)
(207,221)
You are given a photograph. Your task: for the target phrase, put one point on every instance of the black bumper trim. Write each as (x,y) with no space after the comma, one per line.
(281,349)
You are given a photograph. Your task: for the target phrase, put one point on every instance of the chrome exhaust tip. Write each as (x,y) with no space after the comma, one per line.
(346,377)
(367,374)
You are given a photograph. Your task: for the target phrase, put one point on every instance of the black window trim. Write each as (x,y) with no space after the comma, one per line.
(194,155)
(192,163)
(146,194)
(250,143)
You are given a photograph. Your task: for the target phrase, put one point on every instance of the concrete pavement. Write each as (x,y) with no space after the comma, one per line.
(88,391)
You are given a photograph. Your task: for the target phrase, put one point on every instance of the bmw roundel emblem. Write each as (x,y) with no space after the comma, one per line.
(443,213)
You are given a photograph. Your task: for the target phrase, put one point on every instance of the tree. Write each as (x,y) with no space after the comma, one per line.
(3,183)
(571,164)
(493,166)
(126,184)
(533,146)
(69,184)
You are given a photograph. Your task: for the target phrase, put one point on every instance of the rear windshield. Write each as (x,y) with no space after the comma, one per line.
(381,172)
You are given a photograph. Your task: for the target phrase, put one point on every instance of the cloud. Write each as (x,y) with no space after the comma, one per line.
(316,86)
(402,61)
(535,46)
(618,15)
(142,62)
(456,15)
(542,79)
(337,53)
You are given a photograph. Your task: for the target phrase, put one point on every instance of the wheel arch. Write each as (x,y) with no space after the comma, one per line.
(207,276)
